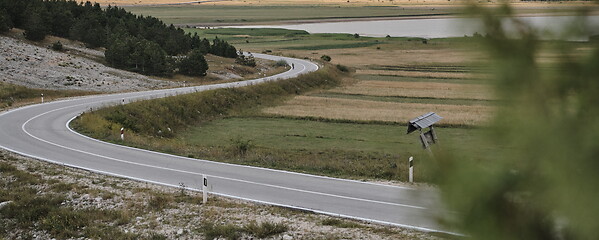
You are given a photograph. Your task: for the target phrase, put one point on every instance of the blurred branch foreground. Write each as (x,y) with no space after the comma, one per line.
(543,183)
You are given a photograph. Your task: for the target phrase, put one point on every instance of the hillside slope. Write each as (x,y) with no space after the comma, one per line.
(37,67)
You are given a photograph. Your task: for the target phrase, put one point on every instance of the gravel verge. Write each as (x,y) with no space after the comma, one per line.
(174,218)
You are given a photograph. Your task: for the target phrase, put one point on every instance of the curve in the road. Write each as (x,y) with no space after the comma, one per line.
(42,131)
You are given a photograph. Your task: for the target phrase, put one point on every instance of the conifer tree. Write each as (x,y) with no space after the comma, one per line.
(5,22)
(35,25)
(194,64)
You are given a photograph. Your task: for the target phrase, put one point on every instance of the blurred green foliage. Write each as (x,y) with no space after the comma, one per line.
(542,185)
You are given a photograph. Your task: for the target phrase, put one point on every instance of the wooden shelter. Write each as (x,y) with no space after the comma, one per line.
(422,122)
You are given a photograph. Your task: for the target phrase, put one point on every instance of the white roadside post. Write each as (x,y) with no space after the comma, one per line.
(122,134)
(123,101)
(42,98)
(204,189)
(411,176)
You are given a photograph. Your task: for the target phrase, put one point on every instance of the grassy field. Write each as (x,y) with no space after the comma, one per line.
(283,39)
(227,15)
(338,108)
(418,90)
(245,12)
(402,78)
(340,149)
(303,135)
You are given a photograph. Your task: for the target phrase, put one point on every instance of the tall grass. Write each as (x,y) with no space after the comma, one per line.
(229,231)
(265,229)
(340,223)
(164,117)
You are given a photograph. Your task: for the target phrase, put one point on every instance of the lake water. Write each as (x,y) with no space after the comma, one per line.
(551,26)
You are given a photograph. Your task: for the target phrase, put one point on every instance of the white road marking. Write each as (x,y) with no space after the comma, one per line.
(194,173)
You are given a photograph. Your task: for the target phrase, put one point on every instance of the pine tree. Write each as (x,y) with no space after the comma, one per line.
(5,22)
(15,11)
(90,30)
(194,64)
(35,26)
(118,52)
(61,20)
(204,46)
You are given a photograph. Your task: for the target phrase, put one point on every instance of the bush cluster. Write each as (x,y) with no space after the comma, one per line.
(57,46)
(281,63)
(246,60)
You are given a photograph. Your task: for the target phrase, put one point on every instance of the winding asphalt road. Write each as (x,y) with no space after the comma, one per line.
(41,131)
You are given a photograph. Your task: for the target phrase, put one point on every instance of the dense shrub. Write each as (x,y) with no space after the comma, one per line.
(57,46)
(246,60)
(230,231)
(265,229)
(281,63)
(342,68)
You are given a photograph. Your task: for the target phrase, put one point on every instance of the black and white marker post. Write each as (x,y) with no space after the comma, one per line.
(122,134)
(411,162)
(42,98)
(204,189)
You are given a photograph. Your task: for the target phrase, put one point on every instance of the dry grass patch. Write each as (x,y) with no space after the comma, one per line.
(418,90)
(398,53)
(452,75)
(361,110)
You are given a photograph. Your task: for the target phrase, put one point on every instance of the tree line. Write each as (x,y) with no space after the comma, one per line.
(135,43)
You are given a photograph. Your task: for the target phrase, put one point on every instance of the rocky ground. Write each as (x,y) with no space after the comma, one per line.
(35,65)
(153,210)
(38,67)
